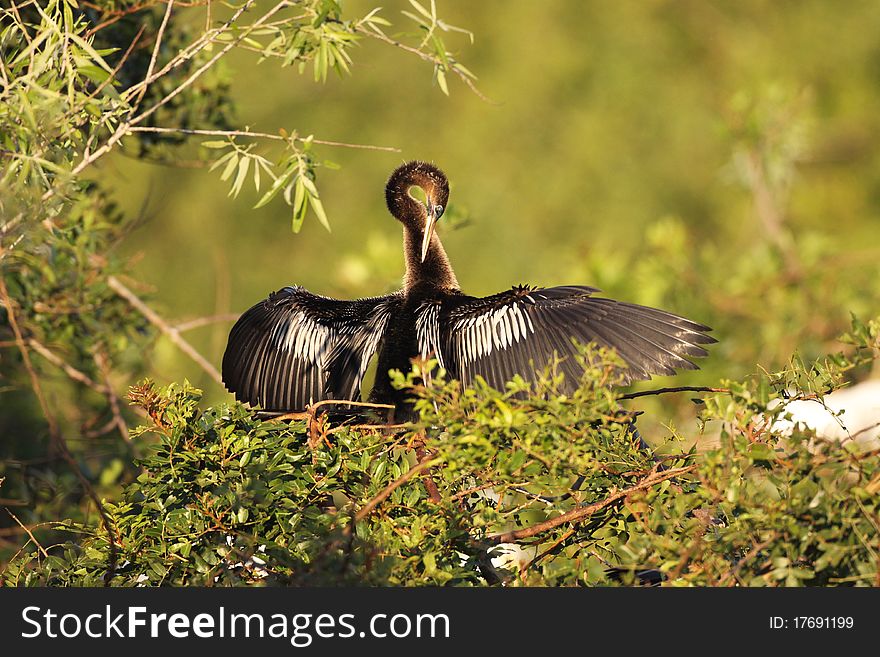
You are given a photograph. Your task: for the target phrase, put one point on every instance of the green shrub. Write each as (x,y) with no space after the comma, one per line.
(227,498)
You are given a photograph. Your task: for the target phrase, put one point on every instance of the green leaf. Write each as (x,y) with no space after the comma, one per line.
(424,12)
(277,186)
(299,196)
(318,207)
(230,166)
(441,81)
(240,176)
(299,216)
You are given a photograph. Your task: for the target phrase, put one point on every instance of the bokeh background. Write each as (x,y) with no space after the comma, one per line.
(717,159)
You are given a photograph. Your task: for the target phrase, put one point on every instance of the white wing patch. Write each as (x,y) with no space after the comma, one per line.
(305,338)
(428,331)
(499,328)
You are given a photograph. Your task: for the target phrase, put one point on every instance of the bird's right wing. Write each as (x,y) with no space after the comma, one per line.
(296,348)
(520,331)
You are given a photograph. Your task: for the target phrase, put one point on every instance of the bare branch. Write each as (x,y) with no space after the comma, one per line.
(367,509)
(581,513)
(259,135)
(104,367)
(66,367)
(155,54)
(205,321)
(663,391)
(173,334)
(28,532)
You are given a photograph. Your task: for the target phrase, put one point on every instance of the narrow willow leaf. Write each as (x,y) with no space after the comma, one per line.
(243,166)
(372,17)
(282,180)
(440,49)
(415,19)
(441,81)
(299,195)
(298,217)
(424,12)
(321,63)
(230,166)
(96,58)
(310,186)
(215,144)
(461,68)
(219,161)
(318,207)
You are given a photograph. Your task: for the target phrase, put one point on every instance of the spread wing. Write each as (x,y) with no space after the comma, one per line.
(519,332)
(296,348)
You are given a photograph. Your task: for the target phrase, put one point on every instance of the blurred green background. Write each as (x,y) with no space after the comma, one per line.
(716,159)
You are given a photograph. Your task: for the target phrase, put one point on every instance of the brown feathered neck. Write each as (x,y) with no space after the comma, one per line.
(435,271)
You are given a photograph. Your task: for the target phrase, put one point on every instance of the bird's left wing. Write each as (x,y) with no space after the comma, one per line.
(521,330)
(296,348)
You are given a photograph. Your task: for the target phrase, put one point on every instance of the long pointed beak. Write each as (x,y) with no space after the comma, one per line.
(429,232)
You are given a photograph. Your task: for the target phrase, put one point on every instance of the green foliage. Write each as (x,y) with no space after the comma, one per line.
(229,499)
(668,154)
(80,83)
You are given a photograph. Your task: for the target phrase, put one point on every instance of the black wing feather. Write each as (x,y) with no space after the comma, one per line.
(519,332)
(296,348)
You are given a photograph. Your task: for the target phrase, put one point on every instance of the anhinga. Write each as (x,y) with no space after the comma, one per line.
(296,348)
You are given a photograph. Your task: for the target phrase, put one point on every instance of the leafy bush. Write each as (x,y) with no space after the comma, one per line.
(520,486)
(80,84)
(226,498)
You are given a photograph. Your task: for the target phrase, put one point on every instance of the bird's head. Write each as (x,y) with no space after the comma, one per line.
(414,213)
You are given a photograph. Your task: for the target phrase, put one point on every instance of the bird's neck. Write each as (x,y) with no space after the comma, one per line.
(435,271)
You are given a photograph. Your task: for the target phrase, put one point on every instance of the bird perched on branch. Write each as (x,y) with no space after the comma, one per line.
(296,348)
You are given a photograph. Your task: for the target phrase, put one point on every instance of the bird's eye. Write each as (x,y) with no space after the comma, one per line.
(438,211)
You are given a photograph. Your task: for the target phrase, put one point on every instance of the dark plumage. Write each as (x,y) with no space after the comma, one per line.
(296,348)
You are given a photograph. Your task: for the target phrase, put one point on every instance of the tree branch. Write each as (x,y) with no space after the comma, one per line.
(259,135)
(67,368)
(173,334)
(581,513)
(367,509)
(663,391)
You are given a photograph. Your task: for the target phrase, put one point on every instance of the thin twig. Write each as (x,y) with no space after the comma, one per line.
(66,367)
(559,541)
(119,14)
(663,391)
(28,531)
(121,63)
(425,56)
(205,321)
(377,427)
(367,509)
(155,54)
(172,333)
(310,411)
(259,135)
(103,366)
(583,512)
